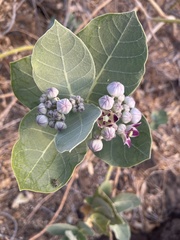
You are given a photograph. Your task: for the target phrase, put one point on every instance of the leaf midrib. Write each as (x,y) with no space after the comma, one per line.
(108,58)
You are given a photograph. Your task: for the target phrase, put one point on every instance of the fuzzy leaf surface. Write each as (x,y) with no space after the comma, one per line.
(79,125)
(121,231)
(23,85)
(36,163)
(60,59)
(115,153)
(118,45)
(126,201)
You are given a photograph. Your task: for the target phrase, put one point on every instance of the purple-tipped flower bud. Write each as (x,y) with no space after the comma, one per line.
(42,120)
(95,145)
(48,104)
(43,98)
(130,101)
(52,92)
(136,115)
(108,133)
(51,123)
(59,125)
(64,106)
(121,129)
(106,102)
(126,117)
(115,89)
(42,108)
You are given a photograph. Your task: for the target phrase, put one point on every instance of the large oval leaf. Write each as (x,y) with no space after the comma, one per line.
(36,163)
(23,83)
(116,153)
(79,126)
(118,45)
(60,59)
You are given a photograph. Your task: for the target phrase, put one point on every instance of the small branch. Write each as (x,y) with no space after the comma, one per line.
(169,19)
(60,206)
(6,95)
(109,172)
(116,180)
(158,9)
(7,215)
(16,50)
(94,13)
(7,109)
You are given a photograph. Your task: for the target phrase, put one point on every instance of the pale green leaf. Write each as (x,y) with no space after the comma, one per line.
(79,126)
(118,45)
(23,84)
(121,231)
(36,163)
(115,153)
(60,59)
(61,228)
(126,201)
(100,223)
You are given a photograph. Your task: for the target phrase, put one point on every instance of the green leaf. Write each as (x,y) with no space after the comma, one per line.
(36,163)
(158,118)
(121,231)
(116,153)
(60,59)
(61,228)
(79,125)
(100,223)
(106,187)
(85,229)
(23,84)
(118,45)
(126,201)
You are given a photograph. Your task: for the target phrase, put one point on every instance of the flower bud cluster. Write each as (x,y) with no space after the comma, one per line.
(116,107)
(52,110)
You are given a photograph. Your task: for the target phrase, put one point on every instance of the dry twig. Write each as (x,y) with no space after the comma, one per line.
(7,215)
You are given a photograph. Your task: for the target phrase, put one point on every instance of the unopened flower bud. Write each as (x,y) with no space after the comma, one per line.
(52,92)
(129,101)
(95,145)
(81,107)
(42,108)
(106,102)
(136,115)
(121,98)
(59,125)
(115,89)
(54,100)
(48,104)
(42,120)
(126,117)
(108,133)
(43,98)
(126,107)
(117,107)
(64,106)
(121,129)
(51,123)
(50,113)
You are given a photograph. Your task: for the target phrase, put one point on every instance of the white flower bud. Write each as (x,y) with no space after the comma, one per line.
(130,101)
(117,107)
(115,89)
(106,102)
(64,106)
(136,115)
(95,145)
(121,129)
(108,133)
(42,120)
(52,92)
(48,104)
(121,98)
(126,117)
(42,108)
(59,125)
(43,98)
(126,107)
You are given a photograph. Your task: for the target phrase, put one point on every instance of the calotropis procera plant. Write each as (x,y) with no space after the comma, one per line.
(78,91)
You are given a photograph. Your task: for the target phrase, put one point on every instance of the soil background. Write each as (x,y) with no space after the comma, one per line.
(156,181)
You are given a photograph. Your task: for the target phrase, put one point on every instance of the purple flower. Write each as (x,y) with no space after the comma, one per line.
(64,106)
(107,119)
(127,132)
(108,133)
(115,89)
(95,145)
(106,102)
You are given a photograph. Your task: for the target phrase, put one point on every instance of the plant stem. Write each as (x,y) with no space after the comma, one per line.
(16,50)
(109,172)
(166,20)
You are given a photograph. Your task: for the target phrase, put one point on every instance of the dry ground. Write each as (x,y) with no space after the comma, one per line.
(156,182)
